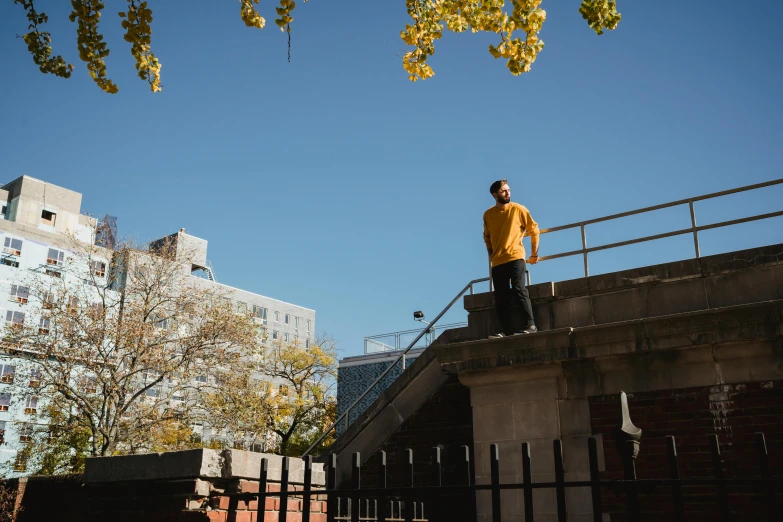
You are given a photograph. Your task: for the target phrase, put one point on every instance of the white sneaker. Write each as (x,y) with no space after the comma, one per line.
(497,336)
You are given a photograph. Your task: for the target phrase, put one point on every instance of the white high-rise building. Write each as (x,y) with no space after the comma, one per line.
(38,223)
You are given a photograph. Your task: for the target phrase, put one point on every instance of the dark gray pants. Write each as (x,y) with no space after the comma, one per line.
(509,282)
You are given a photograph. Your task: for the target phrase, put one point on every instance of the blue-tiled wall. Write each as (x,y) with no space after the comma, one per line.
(352,381)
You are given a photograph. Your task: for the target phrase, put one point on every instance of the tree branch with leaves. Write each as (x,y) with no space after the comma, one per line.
(516,22)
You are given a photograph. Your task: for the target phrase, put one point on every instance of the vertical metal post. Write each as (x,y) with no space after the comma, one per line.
(527,277)
(409,509)
(717,466)
(494,472)
(466,464)
(595,478)
(584,250)
(308,481)
(262,483)
(331,484)
(769,492)
(693,227)
(437,476)
(283,516)
(403,363)
(356,483)
(632,496)
(674,473)
(381,511)
(557,446)
(528,481)
(489,262)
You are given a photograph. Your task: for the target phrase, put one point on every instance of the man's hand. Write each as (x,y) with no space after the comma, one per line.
(533,260)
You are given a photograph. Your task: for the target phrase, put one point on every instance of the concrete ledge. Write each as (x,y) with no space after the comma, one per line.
(736,324)
(198,463)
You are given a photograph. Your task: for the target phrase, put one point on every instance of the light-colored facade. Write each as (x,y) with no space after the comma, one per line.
(39,222)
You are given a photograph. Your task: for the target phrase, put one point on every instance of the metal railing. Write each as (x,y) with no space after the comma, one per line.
(396,340)
(345,416)
(693,229)
(584,251)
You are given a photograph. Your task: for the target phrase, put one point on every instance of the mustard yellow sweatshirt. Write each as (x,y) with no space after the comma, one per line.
(504,230)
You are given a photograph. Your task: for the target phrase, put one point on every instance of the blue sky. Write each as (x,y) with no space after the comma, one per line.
(334,183)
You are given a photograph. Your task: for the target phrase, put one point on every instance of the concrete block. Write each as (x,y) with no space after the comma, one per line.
(247,465)
(517,392)
(155,466)
(572,313)
(581,379)
(746,286)
(574,417)
(542,458)
(492,423)
(536,420)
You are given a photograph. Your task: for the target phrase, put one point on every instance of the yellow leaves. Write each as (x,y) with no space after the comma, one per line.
(249,14)
(92,48)
(39,44)
(284,12)
(600,14)
(138,33)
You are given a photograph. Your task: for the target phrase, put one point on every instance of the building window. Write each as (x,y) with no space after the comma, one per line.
(9,262)
(198,432)
(201,378)
(2,432)
(286,338)
(260,313)
(277,317)
(43,326)
(47,300)
(20,294)
(274,334)
(53,273)
(5,401)
(7,372)
(98,268)
(20,462)
(14,317)
(307,343)
(159,322)
(241,307)
(283,390)
(48,218)
(287,319)
(153,391)
(308,325)
(25,432)
(31,405)
(296,323)
(55,257)
(12,246)
(35,377)
(73,304)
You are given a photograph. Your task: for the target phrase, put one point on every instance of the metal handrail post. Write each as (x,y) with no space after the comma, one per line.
(584,251)
(489,262)
(695,231)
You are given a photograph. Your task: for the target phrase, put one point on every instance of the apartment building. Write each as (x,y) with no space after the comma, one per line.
(39,223)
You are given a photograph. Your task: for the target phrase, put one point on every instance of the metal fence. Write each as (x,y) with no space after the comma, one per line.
(413,502)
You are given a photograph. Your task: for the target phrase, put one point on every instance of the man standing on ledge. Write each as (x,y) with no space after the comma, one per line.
(505,225)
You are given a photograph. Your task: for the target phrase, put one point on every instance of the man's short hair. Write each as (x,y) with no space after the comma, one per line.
(495,187)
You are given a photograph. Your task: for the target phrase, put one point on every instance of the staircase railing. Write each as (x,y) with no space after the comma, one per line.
(345,416)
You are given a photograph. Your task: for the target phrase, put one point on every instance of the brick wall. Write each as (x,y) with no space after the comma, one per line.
(445,420)
(734,412)
(186,500)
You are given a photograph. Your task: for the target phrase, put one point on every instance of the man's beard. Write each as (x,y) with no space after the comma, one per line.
(503,200)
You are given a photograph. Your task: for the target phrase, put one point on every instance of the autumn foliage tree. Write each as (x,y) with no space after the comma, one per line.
(280,400)
(517,23)
(118,351)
